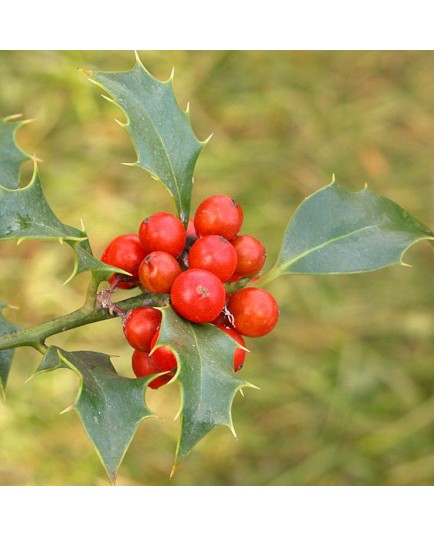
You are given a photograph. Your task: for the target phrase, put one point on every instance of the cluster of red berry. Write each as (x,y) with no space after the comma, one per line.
(192,266)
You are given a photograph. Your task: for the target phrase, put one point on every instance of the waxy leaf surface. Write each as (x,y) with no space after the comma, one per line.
(26,214)
(110,406)
(162,135)
(336,231)
(205,373)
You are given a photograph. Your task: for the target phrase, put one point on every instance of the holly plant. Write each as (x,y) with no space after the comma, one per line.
(198,288)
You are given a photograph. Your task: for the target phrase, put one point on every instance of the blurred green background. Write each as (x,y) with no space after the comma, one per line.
(346,379)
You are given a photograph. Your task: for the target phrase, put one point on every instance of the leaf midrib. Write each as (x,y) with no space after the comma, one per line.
(292,261)
(166,152)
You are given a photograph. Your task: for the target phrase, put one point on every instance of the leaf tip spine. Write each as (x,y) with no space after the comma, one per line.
(71,277)
(178,414)
(119,122)
(12,118)
(173,471)
(90,73)
(27,121)
(232,429)
(30,378)
(109,99)
(252,385)
(69,408)
(139,62)
(204,142)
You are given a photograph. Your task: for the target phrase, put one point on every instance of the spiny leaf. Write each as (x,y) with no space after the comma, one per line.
(50,362)
(6,356)
(110,406)
(205,372)
(336,231)
(164,140)
(11,156)
(26,214)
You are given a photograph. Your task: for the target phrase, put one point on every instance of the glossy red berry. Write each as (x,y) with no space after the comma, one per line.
(198,295)
(162,232)
(163,355)
(219,215)
(125,252)
(239,353)
(164,358)
(251,255)
(158,271)
(215,254)
(143,365)
(140,325)
(254,310)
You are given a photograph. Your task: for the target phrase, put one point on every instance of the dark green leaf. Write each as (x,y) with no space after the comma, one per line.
(25,214)
(6,356)
(51,361)
(110,406)
(336,231)
(11,157)
(205,372)
(165,143)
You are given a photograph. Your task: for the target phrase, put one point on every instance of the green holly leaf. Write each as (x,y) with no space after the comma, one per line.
(110,406)
(51,361)
(162,135)
(11,156)
(6,356)
(25,214)
(205,373)
(336,231)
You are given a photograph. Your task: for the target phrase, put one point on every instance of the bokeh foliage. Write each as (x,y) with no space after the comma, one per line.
(347,376)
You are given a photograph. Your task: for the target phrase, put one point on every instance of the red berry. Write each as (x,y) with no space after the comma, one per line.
(144,365)
(220,215)
(255,311)
(158,271)
(215,254)
(164,358)
(251,255)
(140,325)
(163,232)
(163,355)
(198,295)
(239,353)
(125,252)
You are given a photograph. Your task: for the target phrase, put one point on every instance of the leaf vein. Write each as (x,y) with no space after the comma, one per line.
(292,261)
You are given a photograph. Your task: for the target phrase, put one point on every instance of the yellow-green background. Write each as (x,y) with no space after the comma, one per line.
(346,379)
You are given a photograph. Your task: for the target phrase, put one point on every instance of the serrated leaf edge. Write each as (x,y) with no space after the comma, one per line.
(186,113)
(145,380)
(279,269)
(229,424)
